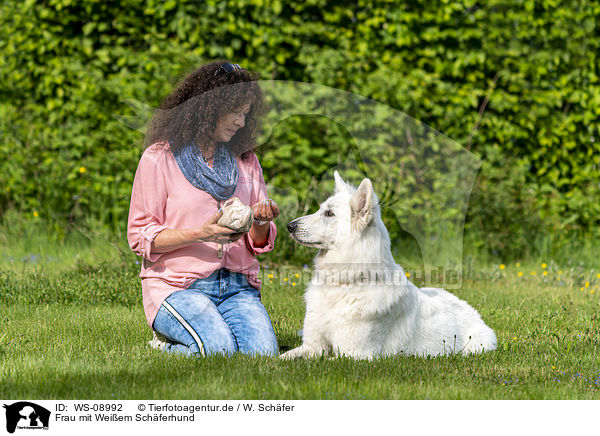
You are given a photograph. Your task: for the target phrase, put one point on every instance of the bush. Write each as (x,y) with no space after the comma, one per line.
(502,218)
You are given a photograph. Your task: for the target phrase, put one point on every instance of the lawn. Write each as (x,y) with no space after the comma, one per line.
(72,327)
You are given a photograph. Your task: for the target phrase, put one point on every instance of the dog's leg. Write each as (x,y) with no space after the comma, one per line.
(303,351)
(313,344)
(295,353)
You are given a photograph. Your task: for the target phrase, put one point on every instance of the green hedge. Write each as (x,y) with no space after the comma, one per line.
(515,82)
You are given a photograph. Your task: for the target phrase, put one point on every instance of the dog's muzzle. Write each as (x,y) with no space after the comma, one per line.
(299,234)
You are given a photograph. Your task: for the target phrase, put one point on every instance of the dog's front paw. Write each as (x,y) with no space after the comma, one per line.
(302,352)
(292,354)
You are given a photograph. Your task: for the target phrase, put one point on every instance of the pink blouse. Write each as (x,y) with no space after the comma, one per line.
(162,198)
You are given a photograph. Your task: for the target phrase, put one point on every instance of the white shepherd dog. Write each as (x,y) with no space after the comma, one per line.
(359,302)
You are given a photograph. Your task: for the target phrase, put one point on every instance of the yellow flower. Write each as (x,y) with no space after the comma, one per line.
(544,265)
(270,275)
(592,291)
(587,284)
(532,273)
(502,266)
(514,338)
(36,213)
(297,275)
(271,281)
(554,367)
(520,274)
(545,273)
(285,279)
(407,274)
(293,283)
(559,272)
(581,289)
(597,275)
(518,264)
(82,170)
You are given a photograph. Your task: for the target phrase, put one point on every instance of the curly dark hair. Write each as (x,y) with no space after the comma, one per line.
(191,111)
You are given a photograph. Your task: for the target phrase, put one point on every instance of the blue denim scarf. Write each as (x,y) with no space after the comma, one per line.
(219,181)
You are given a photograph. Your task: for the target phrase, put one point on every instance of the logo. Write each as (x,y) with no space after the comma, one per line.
(25,415)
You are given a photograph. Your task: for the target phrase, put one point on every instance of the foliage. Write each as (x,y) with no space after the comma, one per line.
(515,82)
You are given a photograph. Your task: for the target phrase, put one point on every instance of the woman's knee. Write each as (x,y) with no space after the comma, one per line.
(260,342)
(269,348)
(224,344)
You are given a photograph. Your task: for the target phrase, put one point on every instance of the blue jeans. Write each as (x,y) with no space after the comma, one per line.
(221,314)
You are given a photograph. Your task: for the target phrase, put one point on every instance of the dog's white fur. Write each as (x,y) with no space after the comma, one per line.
(349,313)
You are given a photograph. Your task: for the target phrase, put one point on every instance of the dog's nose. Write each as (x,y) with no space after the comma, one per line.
(291,226)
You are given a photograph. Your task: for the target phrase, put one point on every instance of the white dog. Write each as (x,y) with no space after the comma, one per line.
(359,302)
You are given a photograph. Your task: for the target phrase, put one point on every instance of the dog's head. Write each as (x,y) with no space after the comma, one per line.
(342,217)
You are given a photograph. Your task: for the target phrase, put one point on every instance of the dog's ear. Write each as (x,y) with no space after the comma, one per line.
(362,204)
(340,185)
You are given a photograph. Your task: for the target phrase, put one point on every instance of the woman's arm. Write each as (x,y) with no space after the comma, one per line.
(146,210)
(172,239)
(260,234)
(265,211)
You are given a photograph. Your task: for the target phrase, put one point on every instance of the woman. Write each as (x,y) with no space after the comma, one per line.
(200,281)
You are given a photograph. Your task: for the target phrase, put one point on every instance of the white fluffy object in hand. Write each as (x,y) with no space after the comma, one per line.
(236,215)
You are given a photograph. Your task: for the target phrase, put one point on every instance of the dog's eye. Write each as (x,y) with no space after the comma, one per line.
(329,213)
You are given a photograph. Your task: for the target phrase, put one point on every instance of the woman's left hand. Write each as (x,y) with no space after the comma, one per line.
(266,210)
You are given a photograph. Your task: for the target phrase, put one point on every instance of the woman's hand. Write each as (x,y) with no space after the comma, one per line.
(266,210)
(213,232)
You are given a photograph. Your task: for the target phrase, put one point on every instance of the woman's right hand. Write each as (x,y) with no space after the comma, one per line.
(213,232)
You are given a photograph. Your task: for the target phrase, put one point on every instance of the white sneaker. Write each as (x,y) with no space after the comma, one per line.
(158,341)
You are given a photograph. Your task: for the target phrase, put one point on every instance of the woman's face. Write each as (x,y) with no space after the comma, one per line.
(230,123)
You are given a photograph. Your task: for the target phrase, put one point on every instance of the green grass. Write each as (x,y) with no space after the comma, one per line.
(72,327)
